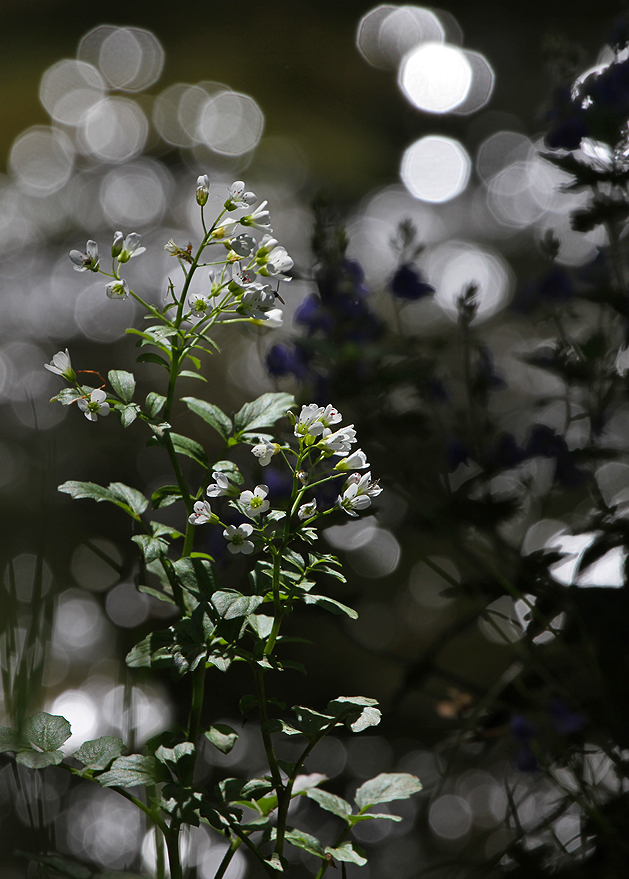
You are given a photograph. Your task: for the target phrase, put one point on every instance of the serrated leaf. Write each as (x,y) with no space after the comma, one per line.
(154,404)
(98,753)
(222,737)
(346,853)
(331,604)
(123,383)
(233,604)
(133,498)
(186,446)
(46,731)
(263,412)
(305,841)
(133,770)
(330,802)
(386,787)
(211,414)
(79,490)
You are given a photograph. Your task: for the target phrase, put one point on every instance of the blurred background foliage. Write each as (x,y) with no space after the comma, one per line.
(335,130)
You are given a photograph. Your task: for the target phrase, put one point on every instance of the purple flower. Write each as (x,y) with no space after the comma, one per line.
(408,283)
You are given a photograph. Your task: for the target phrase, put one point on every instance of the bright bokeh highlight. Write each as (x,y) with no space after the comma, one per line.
(436,78)
(435,169)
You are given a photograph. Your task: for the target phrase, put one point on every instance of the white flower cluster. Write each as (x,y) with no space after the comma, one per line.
(314,425)
(122,249)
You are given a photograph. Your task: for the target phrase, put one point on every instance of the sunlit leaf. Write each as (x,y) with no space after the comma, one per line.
(386,787)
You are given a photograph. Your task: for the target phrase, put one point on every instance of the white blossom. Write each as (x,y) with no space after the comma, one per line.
(243,245)
(202,513)
(308,423)
(357,493)
(61,365)
(238,198)
(355,461)
(82,262)
(116,246)
(117,289)
(258,219)
(254,502)
(95,406)
(238,538)
(339,441)
(221,486)
(131,247)
(278,262)
(264,452)
(199,305)
(273,318)
(307,511)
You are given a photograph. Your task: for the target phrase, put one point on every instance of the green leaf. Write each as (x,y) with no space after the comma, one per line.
(47,731)
(356,819)
(98,753)
(67,396)
(186,373)
(230,468)
(133,498)
(150,547)
(386,787)
(154,404)
(79,490)
(222,737)
(165,495)
(179,759)
(369,717)
(233,604)
(330,802)
(132,770)
(210,413)
(331,604)
(162,596)
(128,412)
(246,703)
(151,357)
(276,862)
(61,866)
(346,853)
(305,841)
(263,412)
(123,383)
(39,759)
(186,446)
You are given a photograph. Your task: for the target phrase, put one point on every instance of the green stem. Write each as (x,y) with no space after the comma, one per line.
(258,675)
(172,844)
(196,706)
(229,854)
(340,839)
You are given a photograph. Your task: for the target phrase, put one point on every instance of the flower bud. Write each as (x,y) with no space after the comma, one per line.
(203,189)
(116,247)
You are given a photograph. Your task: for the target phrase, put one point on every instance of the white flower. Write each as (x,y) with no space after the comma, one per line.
(199,305)
(171,247)
(117,289)
(272,319)
(131,247)
(278,262)
(61,365)
(254,501)
(307,511)
(238,198)
(356,461)
(243,245)
(315,420)
(222,485)
(202,514)
(259,219)
(357,494)
(265,451)
(95,406)
(238,538)
(339,441)
(203,189)
(267,243)
(81,262)
(622,361)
